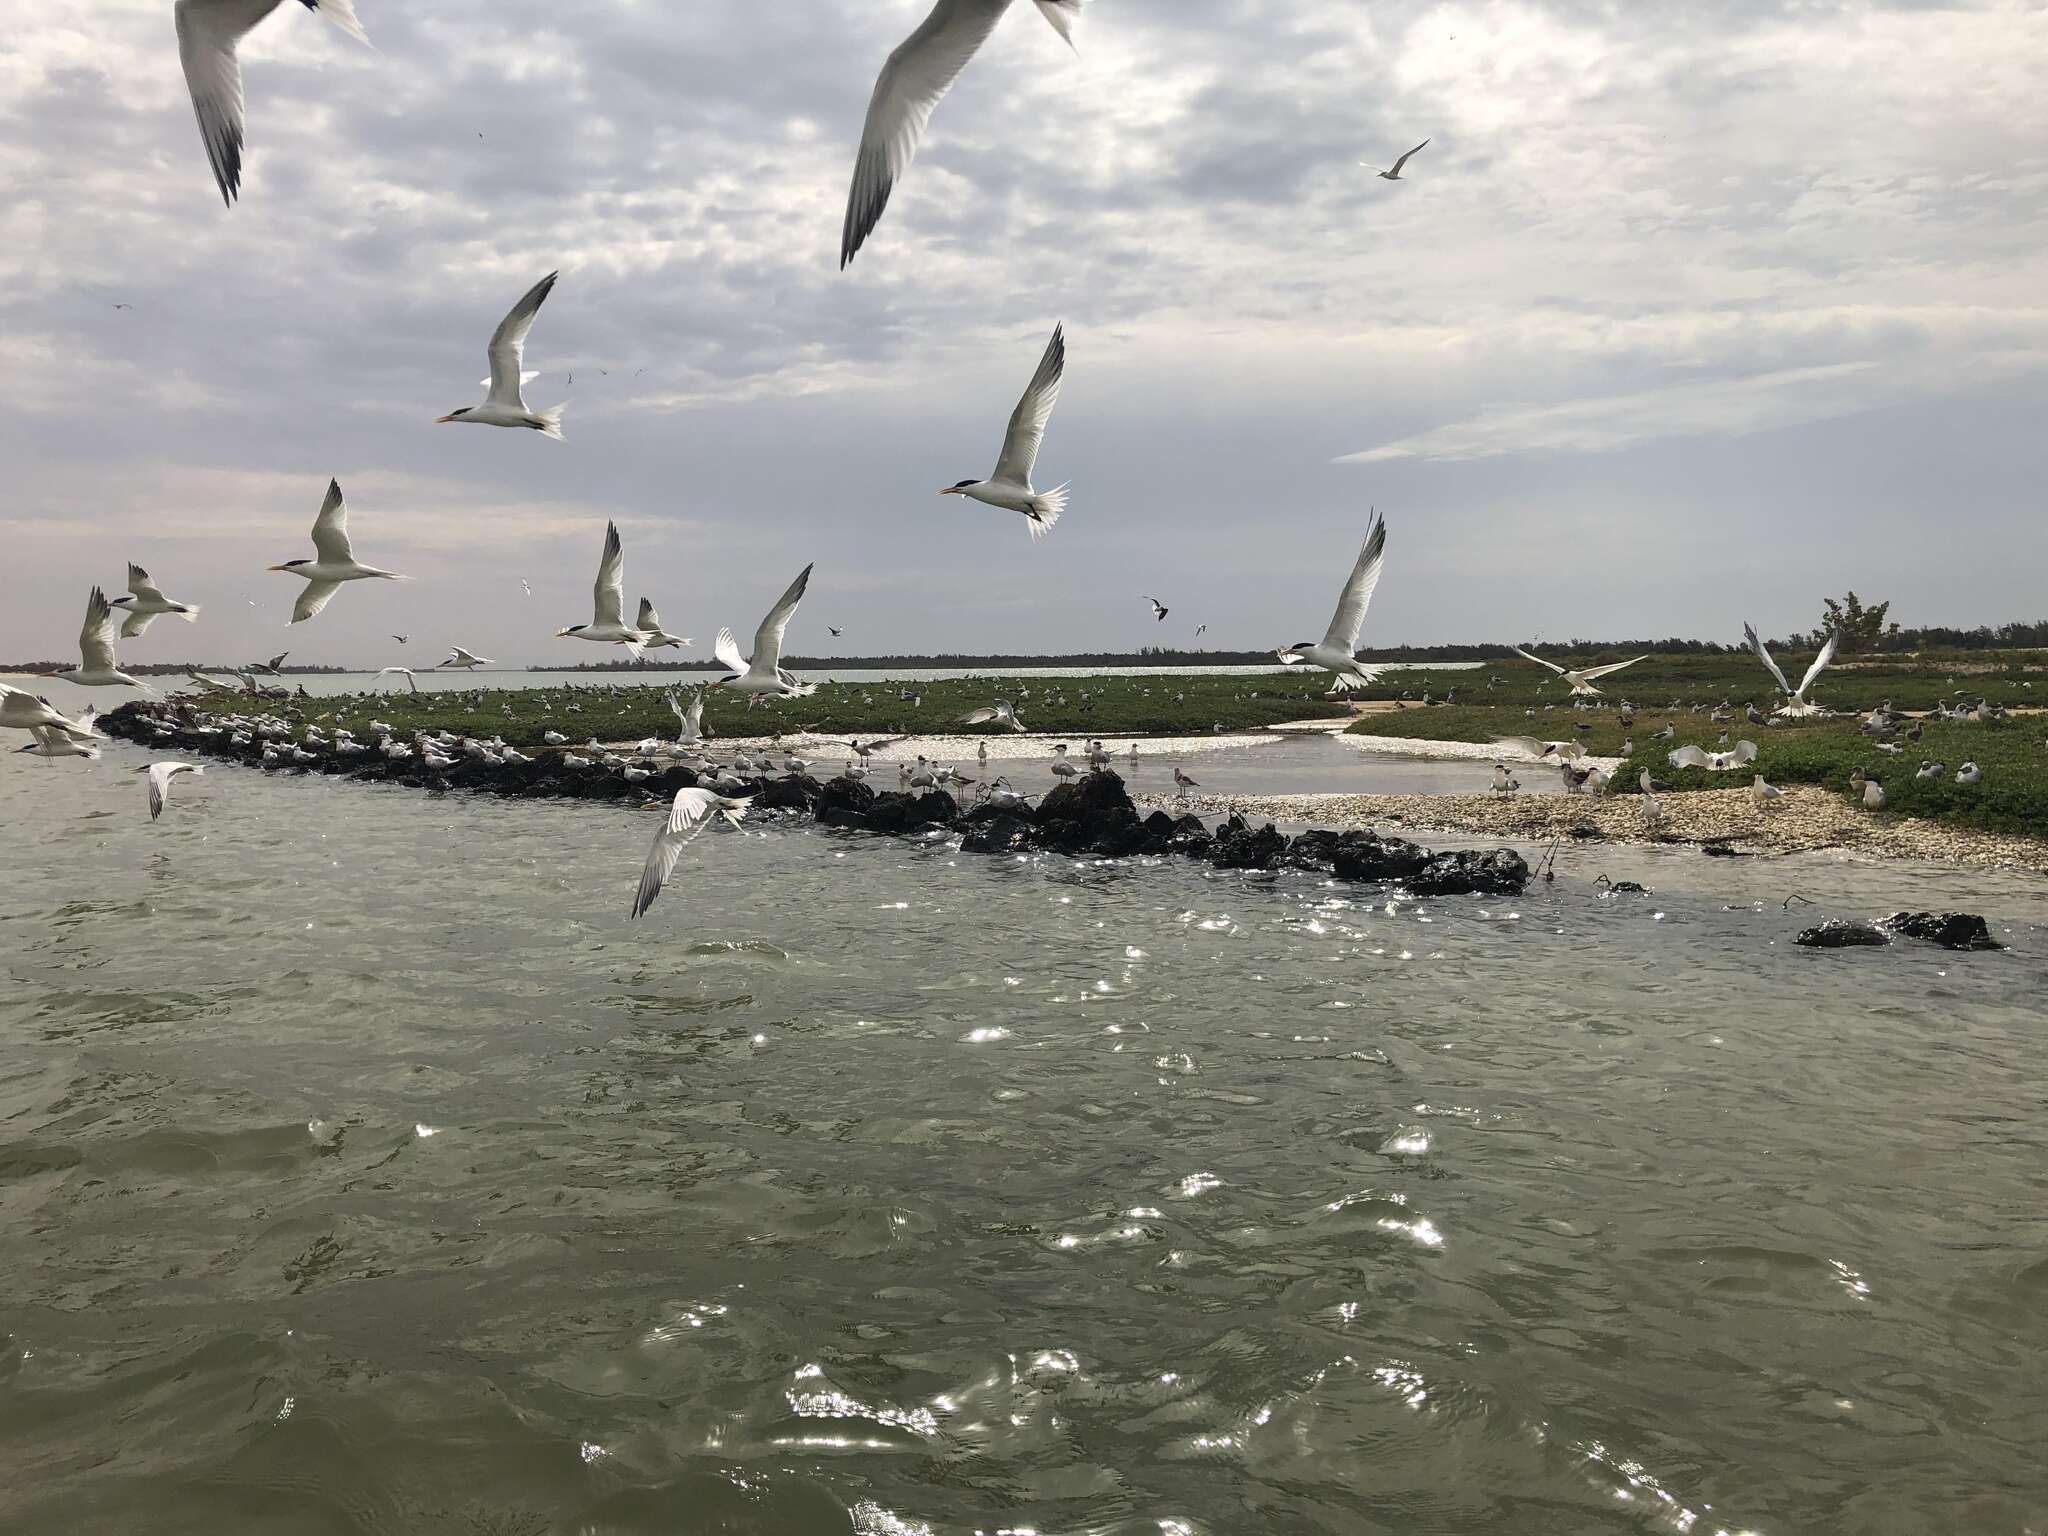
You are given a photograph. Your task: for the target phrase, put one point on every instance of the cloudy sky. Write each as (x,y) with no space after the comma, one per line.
(1689,313)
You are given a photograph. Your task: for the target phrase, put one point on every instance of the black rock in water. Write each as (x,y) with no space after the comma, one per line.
(1951,930)
(1239,847)
(1366,856)
(1000,833)
(1498,872)
(1841,933)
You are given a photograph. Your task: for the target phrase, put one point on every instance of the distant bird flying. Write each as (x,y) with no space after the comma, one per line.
(1159,610)
(208,32)
(1335,652)
(1714,762)
(467,660)
(1796,703)
(160,776)
(689,814)
(1004,713)
(145,601)
(1010,486)
(505,406)
(607,625)
(912,83)
(1395,173)
(1583,679)
(334,562)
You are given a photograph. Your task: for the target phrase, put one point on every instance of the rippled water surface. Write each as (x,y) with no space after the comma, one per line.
(363,1169)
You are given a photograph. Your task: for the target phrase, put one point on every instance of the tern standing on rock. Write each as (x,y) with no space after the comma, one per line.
(1010,486)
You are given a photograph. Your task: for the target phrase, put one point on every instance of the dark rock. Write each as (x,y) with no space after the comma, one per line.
(1092,798)
(1840,933)
(1498,872)
(1240,847)
(793,792)
(844,802)
(1000,833)
(1313,851)
(1365,856)
(912,813)
(1951,930)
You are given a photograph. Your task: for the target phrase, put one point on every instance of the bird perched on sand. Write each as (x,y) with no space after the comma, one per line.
(1504,783)
(689,813)
(334,563)
(649,624)
(1714,762)
(608,625)
(762,676)
(1003,713)
(1796,703)
(1182,783)
(1159,610)
(468,661)
(1765,795)
(208,32)
(1335,652)
(505,405)
(912,83)
(160,776)
(145,600)
(1583,678)
(1395,173)
(97,667)
(1010,486)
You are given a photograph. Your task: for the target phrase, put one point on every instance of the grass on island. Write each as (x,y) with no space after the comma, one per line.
(1083,707)
(2012,797)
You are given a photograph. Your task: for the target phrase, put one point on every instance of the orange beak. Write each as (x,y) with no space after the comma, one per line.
(277,567)
(949,490)
(439,419)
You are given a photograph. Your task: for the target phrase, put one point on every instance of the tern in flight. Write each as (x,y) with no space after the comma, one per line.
(505,406)
(763,677)
(1582,680)
(145,601)
(1010,486)
(658,638)
(1004,713)
(160,776)
(1714,762)
(1395,173)
(97,667)
(608,600)
(21,711)
(917,75)
(690,813)
(690,721)
(334,564)
(1334,653)
(1796,703)
(1159,610)
(467,660)
(51,742)
(208,31)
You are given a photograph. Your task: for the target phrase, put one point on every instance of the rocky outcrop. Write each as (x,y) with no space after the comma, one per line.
(1951,930)
(1091,816)
(1842,933)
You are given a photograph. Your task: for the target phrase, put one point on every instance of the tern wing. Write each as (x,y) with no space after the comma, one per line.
(1528,656)
(313,599)
(208,31)
(608,595)
(1027,422)
(768,638)
(1527,745)
(913,82)
(649,621)
(1365,575)
(160,776)
(725,650)
(330,530)
(1763,655)
(96,636)
(139,585)
(135,624)
(1688,757)
(1411,153)
(405,672)
(689,814)
(1820,662)
(508,345)
(1613,666)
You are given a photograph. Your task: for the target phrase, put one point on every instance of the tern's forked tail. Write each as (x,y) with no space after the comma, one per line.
(549,423)
(1045,510)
